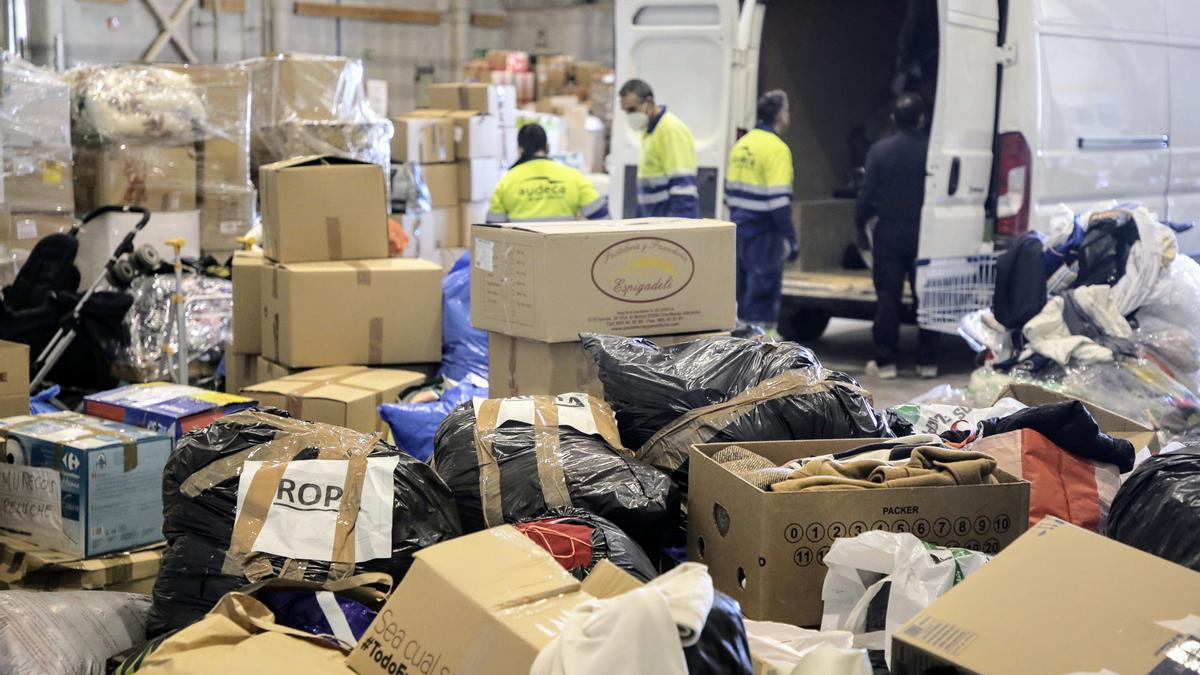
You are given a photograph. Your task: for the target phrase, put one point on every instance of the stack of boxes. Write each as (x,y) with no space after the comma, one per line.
(304,104)
(536,287)
(481,119)
(504,67)
(36,193)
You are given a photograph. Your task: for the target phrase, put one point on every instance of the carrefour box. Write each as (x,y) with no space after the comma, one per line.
(82,485)
(767,549)
(650,276)
(161,406)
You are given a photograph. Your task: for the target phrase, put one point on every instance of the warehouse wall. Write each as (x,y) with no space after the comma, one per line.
(104,31)
(584,31)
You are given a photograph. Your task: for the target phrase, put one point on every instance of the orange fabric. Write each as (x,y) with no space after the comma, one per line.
(397,238)
(1063,485)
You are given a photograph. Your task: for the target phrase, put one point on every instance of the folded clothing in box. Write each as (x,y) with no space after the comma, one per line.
(82,485)
(255,496)
(172,408)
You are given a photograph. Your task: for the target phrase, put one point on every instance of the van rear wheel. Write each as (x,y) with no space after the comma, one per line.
(802,324)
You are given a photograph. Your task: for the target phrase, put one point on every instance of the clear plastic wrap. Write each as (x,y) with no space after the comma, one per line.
(208,309)
(221,486)
(305,104)
(507,459)
(68,633)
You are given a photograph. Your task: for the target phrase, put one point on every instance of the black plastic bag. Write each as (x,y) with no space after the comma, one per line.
(521,445)
(200,498)
(649,386)
(1105,248)
(1157,509)
(607,542)
(720,389)
(723,648)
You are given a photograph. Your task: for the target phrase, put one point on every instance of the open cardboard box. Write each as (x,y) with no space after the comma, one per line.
(482,603)
(766,549)
(1118,426)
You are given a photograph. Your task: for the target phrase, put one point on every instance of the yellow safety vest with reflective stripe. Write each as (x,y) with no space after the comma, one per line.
(758,181)
(666,178)
(542,189)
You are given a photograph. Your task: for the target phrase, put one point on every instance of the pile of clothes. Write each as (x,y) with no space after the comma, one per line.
(1102,306)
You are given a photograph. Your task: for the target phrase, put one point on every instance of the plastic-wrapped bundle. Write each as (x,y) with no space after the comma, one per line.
(70,633)
(415,424)
(208,304)
(649,386)
(531,454)
(725,389)
(1157,509)
(35,130)
(254,496)
(135,103)
(578,540)
(464,347)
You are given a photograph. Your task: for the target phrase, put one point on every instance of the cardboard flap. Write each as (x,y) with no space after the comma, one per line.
(606,580)
(1033,395)
(354,266)
(311,160)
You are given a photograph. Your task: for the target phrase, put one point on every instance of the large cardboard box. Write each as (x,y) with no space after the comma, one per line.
(1143,438)
(344,396)
(523,367)
(362,312)
(101,236)
(440,228)
(266,369)
(1059,600)
(289,87)
(174,409)
(41,182)
(472,213)
(442,181)
(490,99)
(159,177)
(27,566)
(323,208)
(423,140)
(477,178)
(240,371)
(482,603)
(83,485)
(247,302)
(475,134)
(766,548)
(225,215)
(14,379)
(653,276)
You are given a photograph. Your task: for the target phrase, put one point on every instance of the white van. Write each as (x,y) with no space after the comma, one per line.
(1036,103)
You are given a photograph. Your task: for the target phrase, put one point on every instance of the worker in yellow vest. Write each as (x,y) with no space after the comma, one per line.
(666,173)
(538,188)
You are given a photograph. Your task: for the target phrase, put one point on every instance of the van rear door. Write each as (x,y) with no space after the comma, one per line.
(684,49)
(959,167)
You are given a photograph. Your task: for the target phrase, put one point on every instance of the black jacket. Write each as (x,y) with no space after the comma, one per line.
(894,188)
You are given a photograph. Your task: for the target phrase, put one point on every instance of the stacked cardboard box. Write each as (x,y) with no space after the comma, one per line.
(504,67)
(536,287)
(329,295)
(37,194)
(426,139)
(580,132)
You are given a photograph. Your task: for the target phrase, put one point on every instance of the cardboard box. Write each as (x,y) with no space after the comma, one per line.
(290,87)
(1033,395)
(1059,600)
(266,369)
(21,231)
(766,548)
(42,183)
(362,312)
(429,232)
(367,141)
(423,140)
(159,177)
(100,238)
(83,485)
(552,281)
(509,151)
(323,208)
(522,367)
(247,302)
(472,213)
(224,217)
(240,371)
(475,134)
(442,181)
(344,396)
(477,178)
(174,409)
(14,379)
(27,566)
(452,614)
(490,99)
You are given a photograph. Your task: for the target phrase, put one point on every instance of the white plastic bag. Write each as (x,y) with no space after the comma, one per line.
(915,574)
(789,650)
(70,633)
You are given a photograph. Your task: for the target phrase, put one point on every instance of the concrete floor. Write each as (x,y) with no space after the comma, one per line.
(847,346)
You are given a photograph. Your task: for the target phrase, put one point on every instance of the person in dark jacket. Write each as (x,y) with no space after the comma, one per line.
(894,189)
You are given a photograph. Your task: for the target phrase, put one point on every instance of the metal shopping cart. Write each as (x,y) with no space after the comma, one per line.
(950,288)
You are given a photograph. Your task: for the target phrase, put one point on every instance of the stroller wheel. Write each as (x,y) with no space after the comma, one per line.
(147,258)
(122,273)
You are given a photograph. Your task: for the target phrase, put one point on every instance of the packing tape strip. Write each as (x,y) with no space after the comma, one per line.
(362,272)
(512,363)
(546,443)
(375,340)
(489,470)
(333,236)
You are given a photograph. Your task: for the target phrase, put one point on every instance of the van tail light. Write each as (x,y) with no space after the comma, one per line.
(1012,197)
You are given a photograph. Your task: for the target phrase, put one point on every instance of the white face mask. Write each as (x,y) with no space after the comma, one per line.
(638,121)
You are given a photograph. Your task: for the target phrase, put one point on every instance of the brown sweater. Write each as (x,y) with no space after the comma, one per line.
(928,467)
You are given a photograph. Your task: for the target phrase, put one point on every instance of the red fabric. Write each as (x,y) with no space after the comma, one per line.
(569,543)
(1063,485)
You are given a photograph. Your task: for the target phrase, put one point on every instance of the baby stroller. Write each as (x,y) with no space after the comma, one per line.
(73,335)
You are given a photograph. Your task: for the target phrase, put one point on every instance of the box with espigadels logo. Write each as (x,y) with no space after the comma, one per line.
(643,277)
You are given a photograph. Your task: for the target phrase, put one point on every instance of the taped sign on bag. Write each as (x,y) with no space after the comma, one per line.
(303,515)
(573,411)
